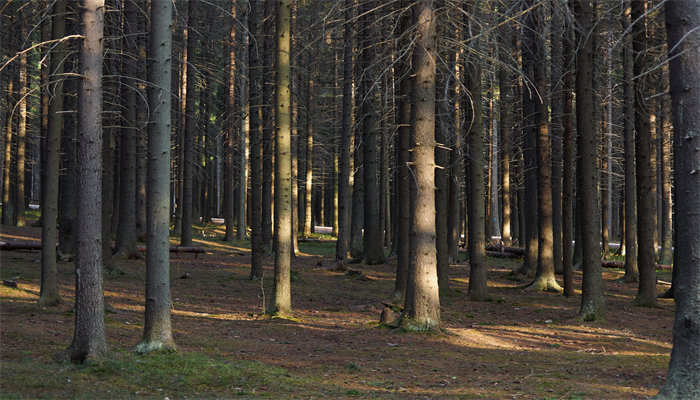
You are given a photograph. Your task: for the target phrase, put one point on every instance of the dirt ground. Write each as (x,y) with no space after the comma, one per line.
(520,345)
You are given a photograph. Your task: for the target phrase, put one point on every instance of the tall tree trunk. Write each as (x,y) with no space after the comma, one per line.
(631,271)
(245,124)
(49,295)
(157,333)
(666,253)
(89,339)
(422,303)
(455,174)
(282,292)
(126,228)
(441,186)
(557,105)
(534,56)
(20,156)
(341,248)
(255,81)
(403,194)
(373,238)
(230,134)
(568,160)
(308,187)
(592,302)
(7,206)
(268,122)
(505,86)
(646,296)
(682,18)
(188,161)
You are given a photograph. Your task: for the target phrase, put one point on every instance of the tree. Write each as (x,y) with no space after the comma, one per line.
(229,137)
(341,249)
(476,207)
(422,304)
(49,295)
(188,162)
(682,20)
(372,238)
(125,245)
(282,292)
(533,57)
(157,332)
(255,81)
(89,339)
(592,302)
(631,271)
(646,296)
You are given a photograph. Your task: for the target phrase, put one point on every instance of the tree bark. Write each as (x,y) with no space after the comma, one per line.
(49,295)
(592,302)
(646,296)
(631,271)
(89,339)
(255,81)
(230,134)
(422,304)
(308,187)
(682,18)
(245,125)
(557,107)
(282,291)
(341,248)
(268,122)
(157,333)
(568,160)
(20,156)
(188,161)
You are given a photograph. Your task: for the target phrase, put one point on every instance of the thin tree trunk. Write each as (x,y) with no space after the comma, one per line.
(568,160)
(255,79)
(245,125)
(268,122)
(49,295)
(557,104)
(646,296)
(188,160)
(344,197)
(308,187)
(666,253)
(230,134)
(20,155)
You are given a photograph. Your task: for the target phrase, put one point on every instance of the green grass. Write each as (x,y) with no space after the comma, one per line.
(126,374)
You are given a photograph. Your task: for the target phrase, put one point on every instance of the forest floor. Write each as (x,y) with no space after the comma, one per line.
(520,345)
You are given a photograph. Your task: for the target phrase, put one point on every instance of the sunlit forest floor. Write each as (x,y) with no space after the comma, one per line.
(520,345)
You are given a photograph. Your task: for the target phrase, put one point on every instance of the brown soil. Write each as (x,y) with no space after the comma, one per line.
(520,345)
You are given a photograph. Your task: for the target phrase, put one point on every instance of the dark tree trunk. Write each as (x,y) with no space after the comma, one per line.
(89,339)
(157,333)
(373,238)
(49,295)
(631,271)
(245,124)
(255,81)
(268,123)
(682,17)
(592,302)
(568,163)
(646,296)
(126,228)
(230,134)
(557,105)
(341,249)
(188,161)
(21,139)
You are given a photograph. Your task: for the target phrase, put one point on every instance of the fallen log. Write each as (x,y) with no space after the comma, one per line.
(520,251)
(315,240)
(621,265)
(29,246)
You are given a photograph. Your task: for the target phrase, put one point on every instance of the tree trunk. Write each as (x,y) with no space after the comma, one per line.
(7,206)
(631,271)
(682,17)
(557,105)
(441,187)
(230,134)
(308,187)
(568,160)
(533,57)
(157,333)
(341,248)
(666,253)
(49,295)
(282,291)
(89,339)
(422,304)
(245,125)
(505,85)
(20,155)
(592,302)
(478,287)
(646,296)
(268,122)
(126,228)
(373,238)
(255,79)
(188,161)
(403,194)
